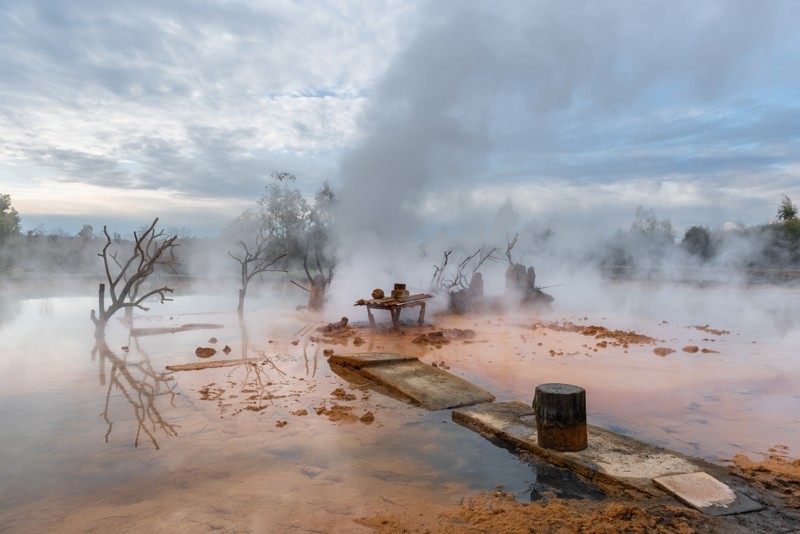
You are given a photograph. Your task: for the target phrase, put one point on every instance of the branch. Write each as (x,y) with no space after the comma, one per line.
(509,246)
(301,287)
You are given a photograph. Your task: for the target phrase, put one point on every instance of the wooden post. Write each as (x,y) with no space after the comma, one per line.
(560,417)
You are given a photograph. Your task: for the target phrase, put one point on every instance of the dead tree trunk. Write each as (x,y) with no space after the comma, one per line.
(318,283)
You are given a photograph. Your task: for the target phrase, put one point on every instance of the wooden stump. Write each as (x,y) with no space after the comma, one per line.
(560,417)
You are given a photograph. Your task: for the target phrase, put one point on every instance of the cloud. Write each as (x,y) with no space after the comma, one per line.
(407,101)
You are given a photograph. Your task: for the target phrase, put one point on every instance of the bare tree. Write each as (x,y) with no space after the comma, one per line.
(151,249)
(465,271)
(257,260)
(439,270)
(465,286)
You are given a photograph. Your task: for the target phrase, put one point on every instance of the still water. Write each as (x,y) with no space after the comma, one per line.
(97,436)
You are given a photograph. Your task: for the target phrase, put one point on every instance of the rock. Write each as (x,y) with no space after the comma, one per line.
(212,340)
(367,418)
(205,352)
(226,349)
(690,348)
(327,352)
(663,351)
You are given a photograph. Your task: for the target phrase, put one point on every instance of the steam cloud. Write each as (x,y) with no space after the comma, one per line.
(537,77)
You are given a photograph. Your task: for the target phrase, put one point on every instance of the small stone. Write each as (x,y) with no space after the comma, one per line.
(205,352)
(662,351)
(212,340)
(367,418)
(295,342)
(226,349)
(690,348)
(327,352)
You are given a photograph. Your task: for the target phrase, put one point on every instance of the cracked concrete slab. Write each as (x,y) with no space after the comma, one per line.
(410,380)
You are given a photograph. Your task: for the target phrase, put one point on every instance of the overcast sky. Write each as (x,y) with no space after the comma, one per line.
(116,112)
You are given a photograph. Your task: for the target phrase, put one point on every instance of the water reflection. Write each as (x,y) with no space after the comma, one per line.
(145,390)
(10,308)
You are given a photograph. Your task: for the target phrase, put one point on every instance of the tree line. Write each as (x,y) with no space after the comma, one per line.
(651,241)
(284,232)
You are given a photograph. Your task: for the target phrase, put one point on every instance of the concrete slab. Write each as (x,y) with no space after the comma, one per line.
(410,380)
(704,492)
(610,457)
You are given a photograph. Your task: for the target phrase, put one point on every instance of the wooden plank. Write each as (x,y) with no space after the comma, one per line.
(209,365)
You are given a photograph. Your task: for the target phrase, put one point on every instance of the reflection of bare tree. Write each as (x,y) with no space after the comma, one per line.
(141,386)
(258,381)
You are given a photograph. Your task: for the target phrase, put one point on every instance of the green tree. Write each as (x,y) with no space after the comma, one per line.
(285,213)
(646,225)
(787,211)
(86,233)
(9,218)
(697,241)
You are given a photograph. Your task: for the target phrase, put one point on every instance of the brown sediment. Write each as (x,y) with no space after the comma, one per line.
(708,330)
(500,512)
(663,351)
(435,338)
(776,473)
(338,413)
(618,337)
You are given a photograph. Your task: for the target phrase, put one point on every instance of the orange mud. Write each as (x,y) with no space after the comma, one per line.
(777,473)
(499,512)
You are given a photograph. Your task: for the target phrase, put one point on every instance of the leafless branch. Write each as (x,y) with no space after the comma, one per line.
(510,243)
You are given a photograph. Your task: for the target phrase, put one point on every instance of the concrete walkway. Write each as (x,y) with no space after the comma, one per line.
(618,459)
(609,457)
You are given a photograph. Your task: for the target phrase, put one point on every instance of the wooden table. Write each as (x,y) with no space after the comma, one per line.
(395,306)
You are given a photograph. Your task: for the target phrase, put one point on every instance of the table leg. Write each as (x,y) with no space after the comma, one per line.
(421,314)
(395,317)
(371,318)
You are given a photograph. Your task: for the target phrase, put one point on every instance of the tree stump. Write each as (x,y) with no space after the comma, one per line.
(560,417)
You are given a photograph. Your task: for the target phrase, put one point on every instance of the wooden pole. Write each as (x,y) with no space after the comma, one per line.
(560,417)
